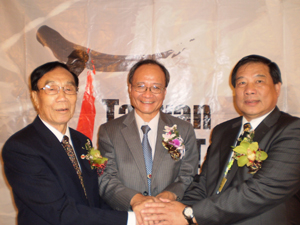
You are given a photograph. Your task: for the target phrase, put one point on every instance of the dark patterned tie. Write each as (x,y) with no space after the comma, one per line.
(147,155)
(70,152)
(246,131)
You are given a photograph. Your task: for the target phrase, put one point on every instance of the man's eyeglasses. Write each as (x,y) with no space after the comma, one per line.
(142,88)
(54,89)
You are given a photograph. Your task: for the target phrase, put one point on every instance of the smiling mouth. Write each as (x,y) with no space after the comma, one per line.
(147,102)
(251,101)
(62,110)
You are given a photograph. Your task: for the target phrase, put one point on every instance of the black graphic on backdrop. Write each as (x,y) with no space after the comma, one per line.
(78,57)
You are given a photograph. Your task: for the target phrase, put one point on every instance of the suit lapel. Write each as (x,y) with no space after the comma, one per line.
(79,150)
(159,149)
(47,137)
(261,131)
(132,138)
(53,147)
(84,164)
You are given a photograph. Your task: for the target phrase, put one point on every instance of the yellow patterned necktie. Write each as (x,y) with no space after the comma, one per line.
(246,130)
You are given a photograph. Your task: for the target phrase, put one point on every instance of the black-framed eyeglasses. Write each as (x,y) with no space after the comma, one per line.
(54,89)
(155,89)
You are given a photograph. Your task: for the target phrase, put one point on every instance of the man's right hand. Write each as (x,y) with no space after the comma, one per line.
(165,212)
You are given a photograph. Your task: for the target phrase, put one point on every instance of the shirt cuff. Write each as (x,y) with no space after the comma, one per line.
(131,220)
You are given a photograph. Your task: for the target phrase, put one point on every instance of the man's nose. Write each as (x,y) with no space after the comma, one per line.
(148,91)
(250,89)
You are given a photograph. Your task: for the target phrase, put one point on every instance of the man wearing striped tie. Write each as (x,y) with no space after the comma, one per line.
(145,162)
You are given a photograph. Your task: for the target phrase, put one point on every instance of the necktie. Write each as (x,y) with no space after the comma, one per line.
(147,155)
(246,131)
(70,152)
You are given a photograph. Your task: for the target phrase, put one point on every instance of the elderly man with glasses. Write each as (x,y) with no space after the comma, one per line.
(151,154)
(50,182)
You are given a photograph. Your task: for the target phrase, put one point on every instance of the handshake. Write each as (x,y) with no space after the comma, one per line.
(162,210)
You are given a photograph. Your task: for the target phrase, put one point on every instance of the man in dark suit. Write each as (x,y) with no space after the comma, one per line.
(270,195)
(48,187)
(126,182)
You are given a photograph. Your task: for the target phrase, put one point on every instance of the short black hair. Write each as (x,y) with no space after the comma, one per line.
(147,62)
(273,67)
(45,68)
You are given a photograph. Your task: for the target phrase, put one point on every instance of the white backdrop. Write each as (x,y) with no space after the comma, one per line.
(199,41)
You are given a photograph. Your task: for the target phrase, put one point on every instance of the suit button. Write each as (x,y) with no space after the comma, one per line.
(145,193)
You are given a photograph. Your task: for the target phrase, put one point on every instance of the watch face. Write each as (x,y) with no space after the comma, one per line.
(188,212)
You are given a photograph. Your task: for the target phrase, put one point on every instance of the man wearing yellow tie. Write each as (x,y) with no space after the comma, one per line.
(261,185)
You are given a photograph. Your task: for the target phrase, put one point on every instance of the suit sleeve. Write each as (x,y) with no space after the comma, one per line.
(189,164)
(197,190)
(37,189)
(273,184)
(111,188)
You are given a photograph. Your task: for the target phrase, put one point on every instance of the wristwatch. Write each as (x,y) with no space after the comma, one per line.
(188,214)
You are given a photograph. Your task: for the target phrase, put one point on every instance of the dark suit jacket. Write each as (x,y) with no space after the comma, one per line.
(125,174)
(269,197)
(45,185)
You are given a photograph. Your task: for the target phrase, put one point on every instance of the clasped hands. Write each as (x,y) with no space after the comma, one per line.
(161,209)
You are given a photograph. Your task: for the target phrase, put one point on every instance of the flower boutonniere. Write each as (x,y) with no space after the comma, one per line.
(95,158)
(173,142)
(248,153)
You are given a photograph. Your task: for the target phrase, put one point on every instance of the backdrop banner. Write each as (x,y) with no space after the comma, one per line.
(199,42)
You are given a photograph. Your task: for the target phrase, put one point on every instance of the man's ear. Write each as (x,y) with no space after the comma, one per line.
(278,88)
(129,89)
(34,98)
